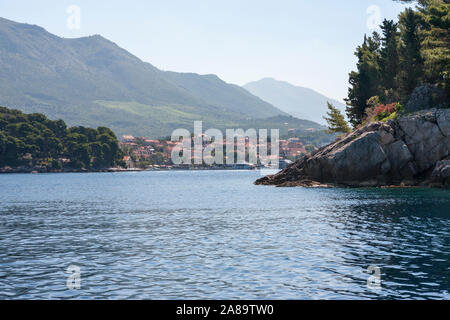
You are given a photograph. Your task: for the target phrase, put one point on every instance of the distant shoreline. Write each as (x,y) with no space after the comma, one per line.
(111,170)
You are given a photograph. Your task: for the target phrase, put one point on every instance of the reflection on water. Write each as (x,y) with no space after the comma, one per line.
(189,235)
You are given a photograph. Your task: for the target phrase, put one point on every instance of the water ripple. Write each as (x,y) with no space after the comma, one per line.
(214,235)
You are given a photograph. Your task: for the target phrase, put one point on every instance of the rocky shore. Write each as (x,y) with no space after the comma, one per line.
(410,151)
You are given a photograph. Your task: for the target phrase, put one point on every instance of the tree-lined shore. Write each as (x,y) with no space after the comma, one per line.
(30,141)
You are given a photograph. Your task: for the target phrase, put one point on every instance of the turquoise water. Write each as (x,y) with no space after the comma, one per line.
(214,235)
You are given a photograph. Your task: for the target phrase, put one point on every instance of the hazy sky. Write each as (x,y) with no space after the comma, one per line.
(306,42)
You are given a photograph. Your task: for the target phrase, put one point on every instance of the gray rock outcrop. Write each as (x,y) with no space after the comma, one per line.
(412,150)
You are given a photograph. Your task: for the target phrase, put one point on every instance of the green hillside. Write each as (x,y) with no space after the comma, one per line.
(92,82)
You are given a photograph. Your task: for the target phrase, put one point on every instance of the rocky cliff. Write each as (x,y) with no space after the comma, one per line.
(411,151)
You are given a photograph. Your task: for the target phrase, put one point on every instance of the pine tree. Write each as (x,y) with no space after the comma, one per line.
(389,60)
(336,121)
(436,44)
(411,61)
(365,82)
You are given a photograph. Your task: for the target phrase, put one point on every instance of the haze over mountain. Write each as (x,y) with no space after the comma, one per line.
(297,101)
(91,81)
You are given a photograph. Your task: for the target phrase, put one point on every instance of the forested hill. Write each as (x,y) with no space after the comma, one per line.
(93,82)
(33,140)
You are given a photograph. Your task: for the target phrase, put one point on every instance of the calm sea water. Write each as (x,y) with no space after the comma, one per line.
(214,235)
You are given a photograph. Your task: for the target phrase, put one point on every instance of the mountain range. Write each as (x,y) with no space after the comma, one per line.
(91,81)
(300,102)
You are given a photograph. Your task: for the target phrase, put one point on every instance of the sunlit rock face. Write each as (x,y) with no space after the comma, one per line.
(411,151)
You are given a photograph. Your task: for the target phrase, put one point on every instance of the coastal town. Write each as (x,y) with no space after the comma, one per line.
(153,154)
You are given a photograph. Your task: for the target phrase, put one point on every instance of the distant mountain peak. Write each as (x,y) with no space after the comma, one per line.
(300,102)
(268,79)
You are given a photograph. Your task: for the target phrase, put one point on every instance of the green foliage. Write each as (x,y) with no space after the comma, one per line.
(317,138)
(56,164)
(365,81)
(386,112)
(435,20)
(157,159)
(411,72)
(392,116)
(389,56)
(336,121)
(412,52)
(33,137)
